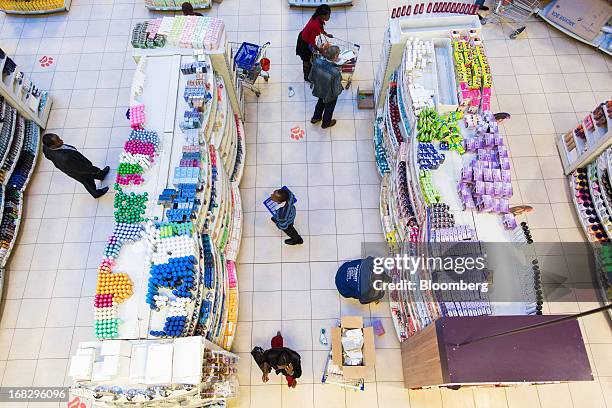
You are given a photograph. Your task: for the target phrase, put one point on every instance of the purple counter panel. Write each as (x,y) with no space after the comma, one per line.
(551,353)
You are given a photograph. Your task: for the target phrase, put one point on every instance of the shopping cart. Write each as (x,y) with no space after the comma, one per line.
(332,374)
(513,12)
(349,53)
(251,63)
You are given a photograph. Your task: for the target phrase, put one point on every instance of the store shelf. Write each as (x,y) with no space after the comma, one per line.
(317,3)
(13,93)
(177,6)
(65,7)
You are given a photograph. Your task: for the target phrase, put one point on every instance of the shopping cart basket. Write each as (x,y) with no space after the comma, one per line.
(251,63)
(332,374)
(513,12)
(349,53)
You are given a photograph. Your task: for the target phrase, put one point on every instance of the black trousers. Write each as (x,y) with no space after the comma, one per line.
(324,111)
(303,50)
(293,234)
(89,182)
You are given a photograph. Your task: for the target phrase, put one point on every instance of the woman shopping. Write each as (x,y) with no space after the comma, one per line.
(307,38)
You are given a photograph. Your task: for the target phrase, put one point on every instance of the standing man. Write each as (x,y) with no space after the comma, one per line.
(285,215)
(72,163)
(326,84)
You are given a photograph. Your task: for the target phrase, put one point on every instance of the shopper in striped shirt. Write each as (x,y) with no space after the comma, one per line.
(285,215)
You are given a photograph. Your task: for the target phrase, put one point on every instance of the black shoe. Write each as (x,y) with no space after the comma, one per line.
(331,123)
(483,8)
(103,173)
(100,192)
(313,120)
(292,242)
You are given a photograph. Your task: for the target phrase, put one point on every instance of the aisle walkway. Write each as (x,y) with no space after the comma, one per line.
(544,79)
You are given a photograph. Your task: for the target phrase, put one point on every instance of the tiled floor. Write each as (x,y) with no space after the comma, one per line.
(544,79)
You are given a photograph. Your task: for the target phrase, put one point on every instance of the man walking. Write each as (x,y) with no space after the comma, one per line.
(326,84)
(72,163)
(285,215)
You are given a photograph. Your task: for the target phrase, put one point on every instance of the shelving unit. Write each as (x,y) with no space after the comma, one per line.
(405,214)
(171,5)
(200,161)
(17,90)
(185,372)
(576,152)
(34,7)
(317,3)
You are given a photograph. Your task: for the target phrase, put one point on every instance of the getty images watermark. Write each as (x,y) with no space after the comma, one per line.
(450,272)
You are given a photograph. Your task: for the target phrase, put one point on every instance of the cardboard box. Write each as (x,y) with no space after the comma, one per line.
(369,354)
(584,18)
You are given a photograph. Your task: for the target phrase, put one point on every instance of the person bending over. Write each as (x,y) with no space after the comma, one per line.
(307,38)
(71,162)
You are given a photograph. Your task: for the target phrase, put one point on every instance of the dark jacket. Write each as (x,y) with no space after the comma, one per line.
(71,162)
(283,356)
(285,215)
(325,79)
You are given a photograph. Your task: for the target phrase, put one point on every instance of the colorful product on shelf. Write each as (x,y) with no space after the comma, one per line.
(137,156)
(472,70)
(179,31)
(585,207)
(175,5)
(485,180)
(19,172)
(33,6)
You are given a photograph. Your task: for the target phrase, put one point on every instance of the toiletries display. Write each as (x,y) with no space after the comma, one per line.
(164,5)
(181,372)
(582,144)
(21,145)
(177,212)
(194,32)
(34,6)
(449,179)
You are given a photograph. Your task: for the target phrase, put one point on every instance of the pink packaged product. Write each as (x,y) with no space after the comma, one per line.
(488,189)
(509,222)
(487,175)
(486,92)
(477,172)
(137,116)
(504,163)
(504,205)
(505,176)
(489,139)
(507,190)
(496,175)
(502,151)
(497,189)
(480,188)
(498,140)
(485,203)
(467,173)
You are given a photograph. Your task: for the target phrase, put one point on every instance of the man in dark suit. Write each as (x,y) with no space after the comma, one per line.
(72,163)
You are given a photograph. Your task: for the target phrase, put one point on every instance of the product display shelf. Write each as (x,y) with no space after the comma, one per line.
(16,147)
(584,150)
(234,241)
(317,3)
(6,7)
(6,256)
(596,194)
(239,170)
(12,124)
(164,5)
(21,100)
(603,175)
(585,228)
